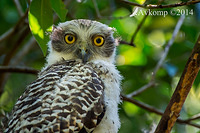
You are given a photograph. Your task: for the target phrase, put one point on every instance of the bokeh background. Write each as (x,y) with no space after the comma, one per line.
(18,48)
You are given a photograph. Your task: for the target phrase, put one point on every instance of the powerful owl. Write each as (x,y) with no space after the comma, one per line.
(78,91)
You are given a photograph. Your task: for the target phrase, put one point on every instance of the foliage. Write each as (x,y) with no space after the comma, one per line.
(41,19)
(136,64)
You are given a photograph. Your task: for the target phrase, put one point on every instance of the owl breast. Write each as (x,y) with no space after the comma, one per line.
(67,97)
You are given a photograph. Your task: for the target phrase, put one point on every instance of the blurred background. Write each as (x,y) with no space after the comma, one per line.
(136,59)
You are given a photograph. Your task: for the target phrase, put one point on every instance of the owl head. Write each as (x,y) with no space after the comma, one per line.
(81,39)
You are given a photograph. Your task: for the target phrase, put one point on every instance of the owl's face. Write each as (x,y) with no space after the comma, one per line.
(81,39)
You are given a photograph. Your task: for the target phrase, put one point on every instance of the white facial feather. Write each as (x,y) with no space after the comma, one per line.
(84,29)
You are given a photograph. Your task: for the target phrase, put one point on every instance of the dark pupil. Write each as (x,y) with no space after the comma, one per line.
(70,38)
(98,40)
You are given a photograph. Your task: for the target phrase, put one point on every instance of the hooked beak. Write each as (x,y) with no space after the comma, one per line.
(84,55)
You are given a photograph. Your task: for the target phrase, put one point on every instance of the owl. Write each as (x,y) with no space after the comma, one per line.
(78,90)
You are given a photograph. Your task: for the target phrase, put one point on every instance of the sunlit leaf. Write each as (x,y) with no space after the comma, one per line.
(40,19)
(59,7)
(130,108)
(138,58)
(157,38)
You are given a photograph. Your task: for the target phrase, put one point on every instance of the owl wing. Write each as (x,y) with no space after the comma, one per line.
(67,97)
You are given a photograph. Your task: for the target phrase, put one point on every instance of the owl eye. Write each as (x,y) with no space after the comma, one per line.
(98,40)
(69,38)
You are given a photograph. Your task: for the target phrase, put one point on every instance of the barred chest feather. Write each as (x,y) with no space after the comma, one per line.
(70,97)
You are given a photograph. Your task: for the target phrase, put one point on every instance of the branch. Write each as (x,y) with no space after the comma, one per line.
(112,17)
(175,32)
(150,6)
(99,16)
(195,117)
(27,47)
(140,90)
(21,28)
(156,111)
(142,105)
(138,28)
(96,8)
(131,43)
(10,54)
(14,29)
(178,98)
(19,8)
(161,61)
(25,32)
(126,43)
(18,69)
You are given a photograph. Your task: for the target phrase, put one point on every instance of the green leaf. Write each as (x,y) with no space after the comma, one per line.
(59,7)
(40,20)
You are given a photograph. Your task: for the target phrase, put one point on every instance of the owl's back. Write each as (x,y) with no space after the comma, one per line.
(67,97)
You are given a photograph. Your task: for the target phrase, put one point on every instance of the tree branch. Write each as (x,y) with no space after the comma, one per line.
(14,29)
(22,28)
(10,54)
(126,43)
(27,47)
(18,69)
(178,98)
(112,17)
(169,44)
(161,61)
(150,6)
(195,117)
(156,111)
(142,89)
(25,31)
(96,8)
(19,8)
(138,28)
(142,105)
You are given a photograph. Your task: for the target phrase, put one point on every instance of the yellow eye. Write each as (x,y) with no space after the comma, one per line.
(98,40)
(69,38)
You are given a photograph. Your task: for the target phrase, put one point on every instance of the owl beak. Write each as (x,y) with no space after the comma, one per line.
(84,54)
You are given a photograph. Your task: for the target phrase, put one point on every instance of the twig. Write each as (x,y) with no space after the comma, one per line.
(188,123)
(7,34)
(24,51)
(19,8)
(150,6)
(96,8)
(18,69)
(138,28)
(178,98)
(9,55)
(132,3)
(99,16)
(161,61)
(25,30)
(112,17)
(126,43)
(154,110)
(142,105)
(195,117)
(140,90)
(14,29)
(169,44)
